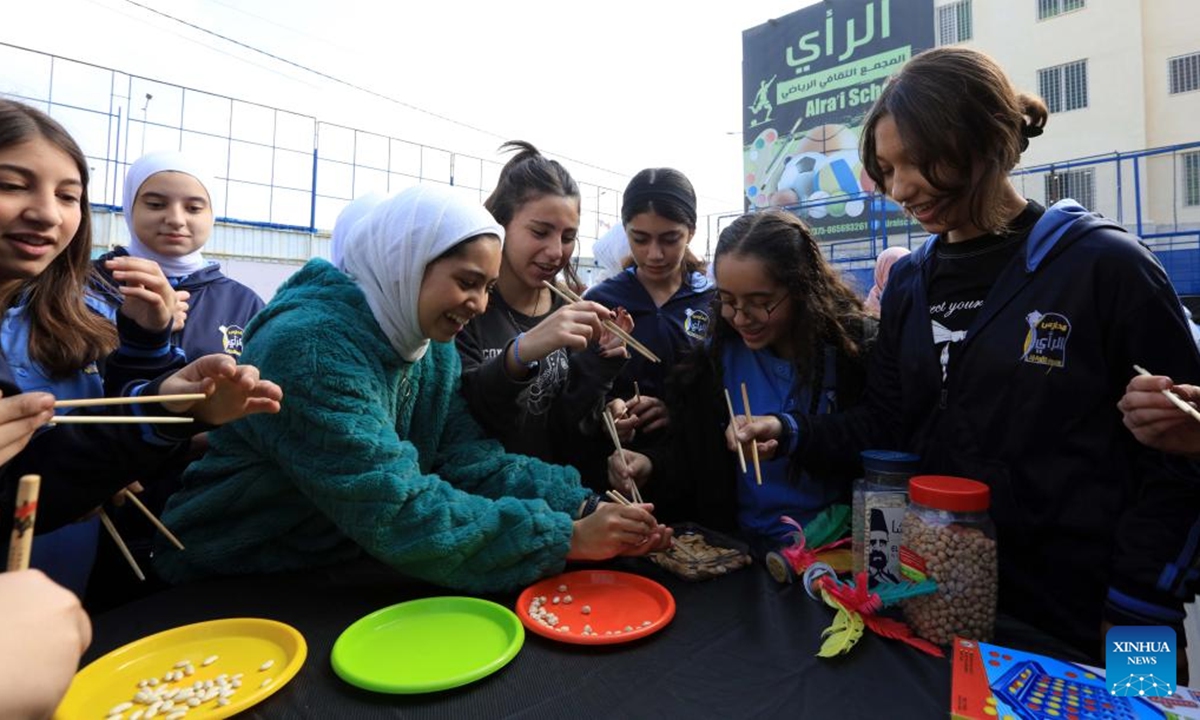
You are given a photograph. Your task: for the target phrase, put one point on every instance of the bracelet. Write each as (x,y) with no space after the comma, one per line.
(517,353)
(590,505)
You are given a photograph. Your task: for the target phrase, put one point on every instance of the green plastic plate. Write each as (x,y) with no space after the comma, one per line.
(427,645)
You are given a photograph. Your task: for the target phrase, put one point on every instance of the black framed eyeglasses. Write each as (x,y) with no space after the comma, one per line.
(758,312)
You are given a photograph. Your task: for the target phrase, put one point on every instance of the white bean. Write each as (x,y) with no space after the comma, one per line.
(209,660)
(562,588)
(267,682)
(586,610)
(266,666)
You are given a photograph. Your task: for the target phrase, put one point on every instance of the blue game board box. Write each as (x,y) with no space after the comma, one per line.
(991,682)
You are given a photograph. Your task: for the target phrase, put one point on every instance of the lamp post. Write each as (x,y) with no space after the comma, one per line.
(149,97)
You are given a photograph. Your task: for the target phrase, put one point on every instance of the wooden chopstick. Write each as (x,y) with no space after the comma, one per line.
(116,536)
(753,443)
(132,400)
(617,497)
(1175,399)
(118,420)
(637,392)
(21,545)
(153,520)
(733,420)
(611,426)
(611,326)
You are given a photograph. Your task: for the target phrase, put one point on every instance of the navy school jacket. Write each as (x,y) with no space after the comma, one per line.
(669,331)
(1091,525)
(218,310)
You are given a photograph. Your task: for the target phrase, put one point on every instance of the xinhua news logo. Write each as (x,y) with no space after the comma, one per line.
(1140,661)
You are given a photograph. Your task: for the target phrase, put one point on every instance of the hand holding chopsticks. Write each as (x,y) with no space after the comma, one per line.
(619,498)
(1175,399)
(1162,414)
(609,325)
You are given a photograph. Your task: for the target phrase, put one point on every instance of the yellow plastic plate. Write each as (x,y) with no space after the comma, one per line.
(427,645)
(242,645)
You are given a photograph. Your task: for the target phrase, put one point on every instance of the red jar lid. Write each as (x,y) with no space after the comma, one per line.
(954,494)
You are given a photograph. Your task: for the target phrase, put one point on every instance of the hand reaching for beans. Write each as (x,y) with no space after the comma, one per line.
(615,529)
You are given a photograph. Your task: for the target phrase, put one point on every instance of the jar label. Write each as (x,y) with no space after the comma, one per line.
(884,517)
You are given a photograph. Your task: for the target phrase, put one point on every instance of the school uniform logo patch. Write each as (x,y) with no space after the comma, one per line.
(1046,340)
(695,324)
(231,339)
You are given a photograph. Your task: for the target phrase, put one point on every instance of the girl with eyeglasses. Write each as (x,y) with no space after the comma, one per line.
(795,333)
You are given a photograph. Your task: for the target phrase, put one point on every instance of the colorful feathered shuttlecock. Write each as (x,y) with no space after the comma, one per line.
(857,606)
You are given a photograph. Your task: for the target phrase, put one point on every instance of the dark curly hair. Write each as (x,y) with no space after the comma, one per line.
(825,310)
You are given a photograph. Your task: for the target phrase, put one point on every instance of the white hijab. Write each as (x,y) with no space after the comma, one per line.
(609,251)
(351,214)
(141,171)
(386,253)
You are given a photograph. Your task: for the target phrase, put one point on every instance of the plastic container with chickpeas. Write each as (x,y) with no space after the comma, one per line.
(948,526)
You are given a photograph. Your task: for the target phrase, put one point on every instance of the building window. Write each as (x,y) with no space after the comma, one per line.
(1185,73)
(1053,8)
(1191,179)
(1079,185)
(1064,87)
(954,22)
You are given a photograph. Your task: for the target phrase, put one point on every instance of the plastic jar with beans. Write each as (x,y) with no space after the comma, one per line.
(948,526)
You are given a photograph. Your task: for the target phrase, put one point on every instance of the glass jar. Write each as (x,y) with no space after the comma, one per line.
(877,513)
(948,527)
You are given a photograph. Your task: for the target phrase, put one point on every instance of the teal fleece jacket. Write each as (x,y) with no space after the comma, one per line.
(368,453)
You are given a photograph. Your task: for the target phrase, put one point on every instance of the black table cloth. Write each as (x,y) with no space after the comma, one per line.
(739,646)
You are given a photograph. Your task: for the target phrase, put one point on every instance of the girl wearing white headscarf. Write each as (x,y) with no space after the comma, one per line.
(351,214)
(169,212)
(375,451)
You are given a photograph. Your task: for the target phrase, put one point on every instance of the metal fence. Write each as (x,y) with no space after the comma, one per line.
(279,169)
(273,167)
(1154,193)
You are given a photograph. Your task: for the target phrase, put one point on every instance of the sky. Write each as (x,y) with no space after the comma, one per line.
(608,88)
